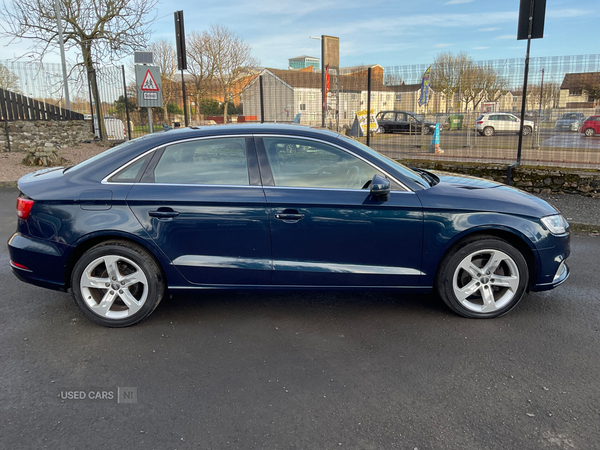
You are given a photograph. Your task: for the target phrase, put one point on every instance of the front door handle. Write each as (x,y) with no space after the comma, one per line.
(164,213)
(290,216)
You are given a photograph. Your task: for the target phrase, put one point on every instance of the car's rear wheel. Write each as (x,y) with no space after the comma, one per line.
(427,130)
(117,284)
(526,131)
(488,131)
(589,132)
(484,277)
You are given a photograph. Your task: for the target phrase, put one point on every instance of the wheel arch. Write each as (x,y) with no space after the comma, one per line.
(89,241)
(513,237)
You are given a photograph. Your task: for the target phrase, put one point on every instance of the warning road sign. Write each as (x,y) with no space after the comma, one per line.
(149,91)
(149,84)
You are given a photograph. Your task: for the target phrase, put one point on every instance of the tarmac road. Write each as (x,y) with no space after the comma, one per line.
(303,371)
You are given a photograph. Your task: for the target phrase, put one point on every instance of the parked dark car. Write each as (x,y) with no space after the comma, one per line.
(276,206)
(403,122)
(569,122)
(591,126)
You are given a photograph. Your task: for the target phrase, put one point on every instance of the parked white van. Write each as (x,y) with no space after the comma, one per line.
(115,129)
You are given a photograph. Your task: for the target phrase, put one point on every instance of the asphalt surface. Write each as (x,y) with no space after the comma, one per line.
(303,371)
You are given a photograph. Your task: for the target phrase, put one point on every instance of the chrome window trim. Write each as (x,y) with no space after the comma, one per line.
(294,136)
(201,185)
(366,191)
(339,147)
(105,179)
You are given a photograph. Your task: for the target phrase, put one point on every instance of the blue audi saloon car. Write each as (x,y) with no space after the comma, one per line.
(276,206)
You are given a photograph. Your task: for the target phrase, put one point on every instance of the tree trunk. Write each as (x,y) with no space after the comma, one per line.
(89,65)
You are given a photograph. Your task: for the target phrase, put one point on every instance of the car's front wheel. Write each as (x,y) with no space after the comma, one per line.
(484,277)
(589,132)
(117,284)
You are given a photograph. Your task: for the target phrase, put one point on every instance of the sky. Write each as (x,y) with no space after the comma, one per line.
(389,33)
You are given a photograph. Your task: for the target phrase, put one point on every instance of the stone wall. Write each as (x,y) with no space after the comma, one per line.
(538,180)
(29,136)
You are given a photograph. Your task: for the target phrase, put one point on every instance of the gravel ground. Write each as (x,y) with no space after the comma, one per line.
(11,168)
(576,208)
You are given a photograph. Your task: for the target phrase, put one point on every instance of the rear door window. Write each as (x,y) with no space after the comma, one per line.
(220,161)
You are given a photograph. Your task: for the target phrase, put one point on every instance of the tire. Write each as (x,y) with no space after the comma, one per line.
(474,293)
(121,297)
(526,131)
(589,132)
(427,131)
(488,131)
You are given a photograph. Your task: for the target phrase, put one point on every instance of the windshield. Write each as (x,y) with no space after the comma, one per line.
(408,173)
(418,117)
(570,116)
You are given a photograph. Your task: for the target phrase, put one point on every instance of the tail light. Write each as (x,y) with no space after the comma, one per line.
(480,122)
(23,207)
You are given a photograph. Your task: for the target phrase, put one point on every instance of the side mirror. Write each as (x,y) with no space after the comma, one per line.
(380,186)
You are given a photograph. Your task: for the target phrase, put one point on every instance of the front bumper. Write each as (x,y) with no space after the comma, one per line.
(560,277)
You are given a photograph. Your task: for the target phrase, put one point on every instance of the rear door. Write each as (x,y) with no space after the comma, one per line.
(326,228)
(402,122)
(202,203)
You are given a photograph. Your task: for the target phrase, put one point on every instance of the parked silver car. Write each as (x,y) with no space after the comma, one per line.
(489,124)
(569,122)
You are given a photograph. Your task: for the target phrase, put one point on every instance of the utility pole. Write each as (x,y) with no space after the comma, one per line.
(62,52)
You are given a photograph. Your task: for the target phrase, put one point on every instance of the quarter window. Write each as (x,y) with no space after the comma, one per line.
(207,161)
(312,164)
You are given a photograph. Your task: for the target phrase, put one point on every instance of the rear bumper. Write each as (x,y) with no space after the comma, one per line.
(43,263)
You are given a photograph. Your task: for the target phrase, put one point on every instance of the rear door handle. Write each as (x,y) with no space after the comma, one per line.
(290,217)
(163,213)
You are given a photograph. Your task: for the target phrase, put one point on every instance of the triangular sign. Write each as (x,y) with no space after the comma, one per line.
(149,84)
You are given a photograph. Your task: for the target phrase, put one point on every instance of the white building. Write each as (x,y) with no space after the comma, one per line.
(288,93)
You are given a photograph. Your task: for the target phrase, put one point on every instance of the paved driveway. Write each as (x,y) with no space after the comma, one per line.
(302,370)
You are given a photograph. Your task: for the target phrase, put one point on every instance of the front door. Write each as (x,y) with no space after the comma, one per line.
(326,228)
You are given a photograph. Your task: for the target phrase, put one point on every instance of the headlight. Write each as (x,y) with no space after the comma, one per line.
(556,224)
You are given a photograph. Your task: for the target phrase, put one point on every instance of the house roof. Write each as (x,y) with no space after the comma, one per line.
(576,81)
(311,80)
(406,87)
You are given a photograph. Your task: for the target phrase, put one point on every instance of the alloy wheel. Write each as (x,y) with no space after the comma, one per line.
(486,281)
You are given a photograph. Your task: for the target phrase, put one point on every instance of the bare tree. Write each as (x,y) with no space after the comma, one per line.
(100,30)
(201,65)
(8,80)
(446,73)
(164,57)
(232,61)
(536,93)
(392,79)
(494,85)
(472,84)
